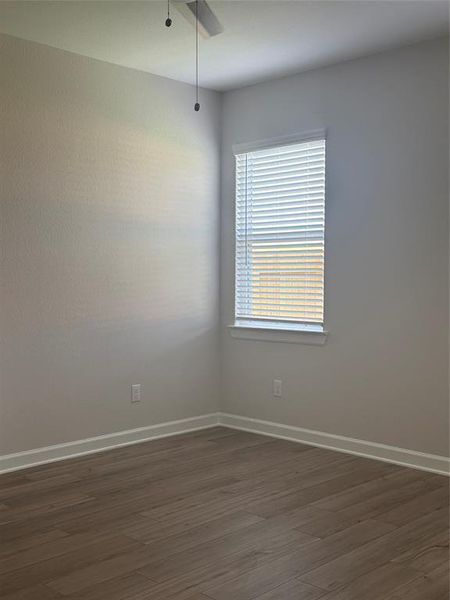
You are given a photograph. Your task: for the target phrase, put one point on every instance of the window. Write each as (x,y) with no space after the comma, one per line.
(280,227)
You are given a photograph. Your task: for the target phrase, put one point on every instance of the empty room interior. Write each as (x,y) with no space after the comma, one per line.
(224,300)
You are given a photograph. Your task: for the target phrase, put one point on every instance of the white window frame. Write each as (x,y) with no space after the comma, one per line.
(303,333)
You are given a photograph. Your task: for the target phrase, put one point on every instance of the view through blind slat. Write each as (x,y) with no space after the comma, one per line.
(280,230)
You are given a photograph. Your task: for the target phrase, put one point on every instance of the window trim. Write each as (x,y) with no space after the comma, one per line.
(278,331)
(296,334)
(282,140)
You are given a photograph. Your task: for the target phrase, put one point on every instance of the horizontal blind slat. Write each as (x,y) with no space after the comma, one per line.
(296,174)
(310,182)
(266,195)
(281,200)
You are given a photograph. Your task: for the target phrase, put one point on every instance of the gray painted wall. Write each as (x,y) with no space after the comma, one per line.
(109,193)
(383,375)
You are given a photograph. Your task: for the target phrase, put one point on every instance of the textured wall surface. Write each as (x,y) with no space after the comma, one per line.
(383,375)
(109,247)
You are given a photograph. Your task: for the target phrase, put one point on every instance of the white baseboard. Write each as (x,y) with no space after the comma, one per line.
(399,456)
(338,443)
(39,456)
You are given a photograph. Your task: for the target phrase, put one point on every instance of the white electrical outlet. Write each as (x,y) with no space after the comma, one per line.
(276,385)
(136,392)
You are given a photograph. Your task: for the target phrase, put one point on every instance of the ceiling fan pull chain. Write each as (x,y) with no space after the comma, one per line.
(168,24)
(168,20)
(197,103)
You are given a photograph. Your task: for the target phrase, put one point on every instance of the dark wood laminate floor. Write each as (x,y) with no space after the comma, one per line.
(223,515)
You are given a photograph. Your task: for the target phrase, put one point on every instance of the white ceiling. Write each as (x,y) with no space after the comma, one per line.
(262,39)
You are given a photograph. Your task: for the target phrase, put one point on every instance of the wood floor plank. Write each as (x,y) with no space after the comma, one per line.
(375,553)
(50,505)
(392,498)
(125,587)
(301,517)
(8,480)
(326,523)
(376,584)
(416,507)
(8,548)
(123,504)
(290,500)
(30,487)
(50,569)
(38,592)
(367,490)
(208,572)
(263,536)
(205,532)
(434,586)
(293,590)
(101,571)
(142,500)
(427,556)
(262,579)
(55,548)
(221,514)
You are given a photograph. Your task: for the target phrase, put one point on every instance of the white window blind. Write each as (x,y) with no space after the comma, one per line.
(280,227)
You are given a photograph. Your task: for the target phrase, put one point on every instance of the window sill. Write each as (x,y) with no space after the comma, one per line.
(313,335)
